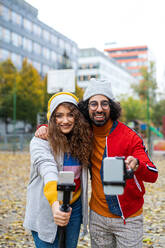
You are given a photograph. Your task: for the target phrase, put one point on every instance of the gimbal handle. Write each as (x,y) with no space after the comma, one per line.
(66,189)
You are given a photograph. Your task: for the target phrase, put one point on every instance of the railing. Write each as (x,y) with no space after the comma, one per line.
(18,142)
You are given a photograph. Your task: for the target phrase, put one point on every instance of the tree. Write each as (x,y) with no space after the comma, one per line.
(29,94)
(79,92)
(146,90)
(46,96)
(147,85)
(44,104)
(132,109)
(158,113)
(8,81)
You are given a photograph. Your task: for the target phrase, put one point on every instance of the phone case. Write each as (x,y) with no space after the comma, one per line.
(66,177)
(113,172)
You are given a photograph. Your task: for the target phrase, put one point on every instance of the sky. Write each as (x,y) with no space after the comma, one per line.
(93,23)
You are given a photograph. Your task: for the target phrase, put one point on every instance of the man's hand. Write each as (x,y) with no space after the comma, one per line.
(132,163)
(60,218)
(42,132)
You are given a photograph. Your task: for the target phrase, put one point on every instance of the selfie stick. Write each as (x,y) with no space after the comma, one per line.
(66,189)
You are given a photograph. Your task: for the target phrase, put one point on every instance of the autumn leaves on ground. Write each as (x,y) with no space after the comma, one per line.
(14,175)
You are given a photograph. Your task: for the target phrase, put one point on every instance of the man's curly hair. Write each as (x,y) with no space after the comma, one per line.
(115,110)
(78,142)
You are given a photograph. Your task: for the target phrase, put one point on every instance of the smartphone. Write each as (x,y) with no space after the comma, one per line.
(64,177)
(113,175)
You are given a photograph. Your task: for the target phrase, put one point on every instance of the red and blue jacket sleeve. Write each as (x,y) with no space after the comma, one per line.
(146,171)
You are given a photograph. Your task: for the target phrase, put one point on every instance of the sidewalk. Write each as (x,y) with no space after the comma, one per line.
(14,174)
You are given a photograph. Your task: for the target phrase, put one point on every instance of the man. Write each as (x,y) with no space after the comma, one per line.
(115,221)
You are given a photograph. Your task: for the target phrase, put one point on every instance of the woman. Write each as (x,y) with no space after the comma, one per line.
(68,148)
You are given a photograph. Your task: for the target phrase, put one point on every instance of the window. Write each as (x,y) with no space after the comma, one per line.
(27,44)
(74,51)
(86,78)
(4,54)
(5,12)
(81,78)
(96,66)
(143,55)
(17,19)
(1,8)
(127,57)
(53,56)
(60,58)
(53,39)
(68,47)
(144,63)
(46,35)
(46,53)
(45,69)
(27,25)
(61,44)
(36,48)
(123,64)
(16,40)
(37,30)
(74,65)
(16,59)
(6,35)
(1,31)
(134,70)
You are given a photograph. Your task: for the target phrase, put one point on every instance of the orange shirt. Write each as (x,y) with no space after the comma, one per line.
(98,202)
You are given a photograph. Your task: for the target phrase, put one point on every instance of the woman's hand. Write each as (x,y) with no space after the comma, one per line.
(42,132)
(60,218)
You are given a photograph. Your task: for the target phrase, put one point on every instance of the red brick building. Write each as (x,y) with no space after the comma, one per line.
(132,58)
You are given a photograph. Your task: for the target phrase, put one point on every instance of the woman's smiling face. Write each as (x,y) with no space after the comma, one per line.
(64,119)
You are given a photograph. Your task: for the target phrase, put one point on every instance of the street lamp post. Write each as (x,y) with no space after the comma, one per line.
(14,115)
(148,123)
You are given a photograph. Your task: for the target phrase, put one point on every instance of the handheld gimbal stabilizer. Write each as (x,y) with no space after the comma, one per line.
(65,185)
(115,174)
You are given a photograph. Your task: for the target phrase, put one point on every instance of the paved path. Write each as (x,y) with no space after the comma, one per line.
(14,174)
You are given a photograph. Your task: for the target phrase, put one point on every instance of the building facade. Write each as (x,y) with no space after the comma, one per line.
(95,64)
(132,58)
(22,35)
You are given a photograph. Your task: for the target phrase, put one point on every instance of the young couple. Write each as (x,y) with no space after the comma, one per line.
(71,142)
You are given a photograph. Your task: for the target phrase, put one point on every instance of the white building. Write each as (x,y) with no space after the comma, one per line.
(93,63)
(22,35)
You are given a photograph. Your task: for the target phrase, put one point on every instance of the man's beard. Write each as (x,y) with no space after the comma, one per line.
(99,123)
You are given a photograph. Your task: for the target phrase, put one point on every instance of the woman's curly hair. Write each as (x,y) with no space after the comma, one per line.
(115,110)
(78,142)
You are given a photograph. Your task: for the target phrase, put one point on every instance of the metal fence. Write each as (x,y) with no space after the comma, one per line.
(18,142)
